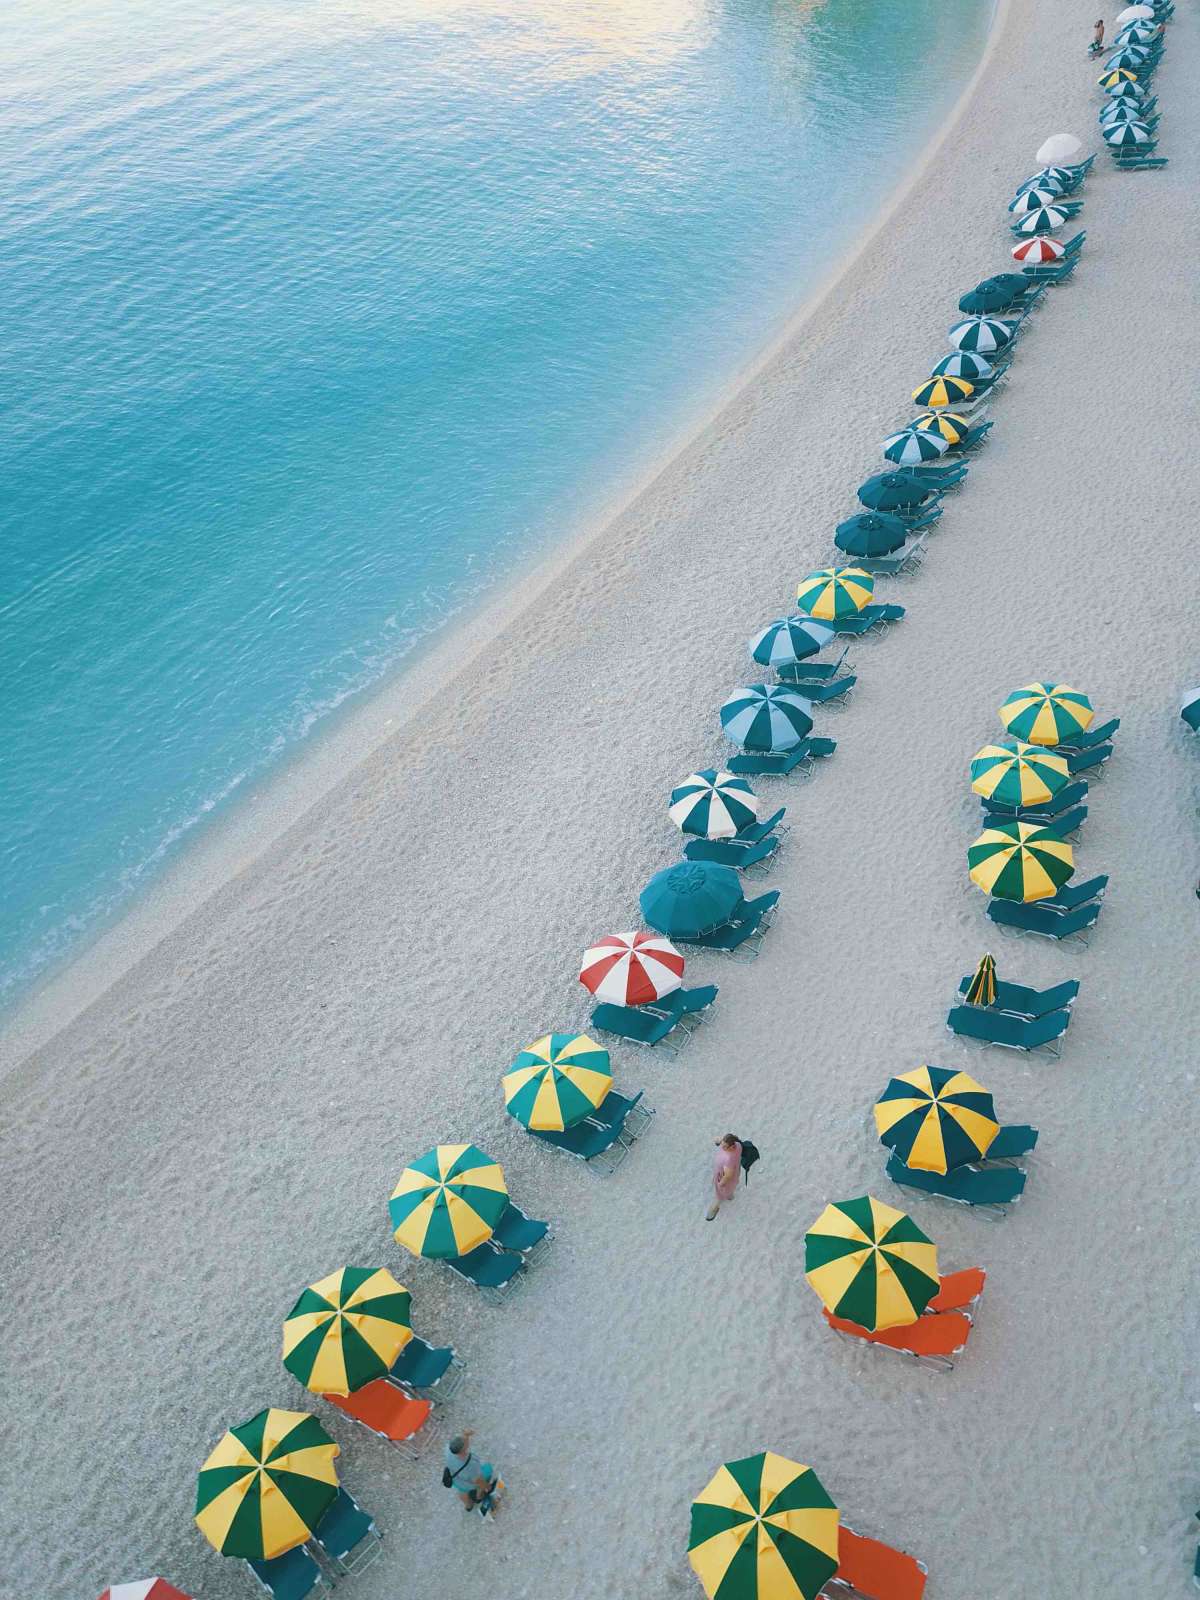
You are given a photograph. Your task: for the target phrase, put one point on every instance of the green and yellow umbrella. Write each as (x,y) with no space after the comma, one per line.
(764,1529)
(266,1485)
(1110,80)
(952,427)
(448,1201)
(1020,861)
(557,1081)
(943,391)
(1046,713)
(1013,773)
(981,991)
(834,592)
(870,1264)
(347,1330)
(935,1119)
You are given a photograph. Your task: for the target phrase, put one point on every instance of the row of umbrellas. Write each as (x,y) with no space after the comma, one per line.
(1124,123)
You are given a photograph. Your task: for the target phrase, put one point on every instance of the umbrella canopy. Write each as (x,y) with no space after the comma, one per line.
(1016,774)
(981,991)
(764,1529)
(557,1081)
(1046,713)
(1109,80)
(985,302)
(936,392)
(1039,249)
(1129,55)
(767,717)
(1125,91)
(448,1201)
(952,427)
(1059,147)
(1046,219)
(981,333)
(962,364)
(713,804)
(1020,861)
(870,1264)
(935,1119)
(1121,111)
(691,898)
(1126,134)
(789,639)
(631,969)
(347,1330)
(892,491)
(1058,179)
(266,1485)
(1031,199)
(871,533)
(1189,709)
(144,1589)
(1134,14)
(1144,32)
(910,446)
(835,591)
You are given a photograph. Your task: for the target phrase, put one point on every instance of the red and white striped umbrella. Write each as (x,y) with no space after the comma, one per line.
(1039,249)
(144,1589)
(631,969)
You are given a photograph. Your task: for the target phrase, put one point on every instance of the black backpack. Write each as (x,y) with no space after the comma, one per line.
(749,1157)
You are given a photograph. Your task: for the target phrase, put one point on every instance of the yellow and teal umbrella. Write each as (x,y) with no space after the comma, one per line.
(764,1529)
(943,391)
(871,1264)
(1046,713)
(981,991)
(1110,80)
(1020,861)
(266,1485)
(833,592)
(448,1201)
(1013,773)
(935,1119)
(347,1330)
(952,427)
(557,1081)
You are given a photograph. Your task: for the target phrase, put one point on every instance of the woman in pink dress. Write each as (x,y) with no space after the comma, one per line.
(727,1169)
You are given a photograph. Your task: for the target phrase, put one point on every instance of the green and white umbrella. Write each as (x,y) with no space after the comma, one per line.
(1031,199)
(767,718)
(1126,135)
(1113,116)
(1058,179)
(911,446)
(788,640)
(713,804)
(981,333)
(1130,55)
(1046,219)
(962,364)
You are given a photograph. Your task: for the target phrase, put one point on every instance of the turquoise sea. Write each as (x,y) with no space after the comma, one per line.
(321,316)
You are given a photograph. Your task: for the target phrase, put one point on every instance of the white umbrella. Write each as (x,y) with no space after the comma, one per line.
(1133,14)
(1059,147)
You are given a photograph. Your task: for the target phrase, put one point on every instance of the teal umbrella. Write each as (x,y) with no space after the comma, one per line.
(1190,709)
(690,898)
(964,364)
(788,640)
(767,717)
(871,533)
(892,491)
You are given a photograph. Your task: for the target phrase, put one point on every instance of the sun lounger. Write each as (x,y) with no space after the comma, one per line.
(602,1148)
(816,671)
(1101,734)
(1028,1003)
(430,1372)
(973,438)
(925,517)
(986,1026)
(522,1235)
(1018,1139)
(950,473)
(348,1535)
(770,766)
(493,1272)
(906,559)
(1073,895)
(290,1576)
(1139,163)
(933,1341)
(989,1190)
(876,1571)
(742,933)
(685,1004)
(731,852)
(1045,923)
(759,830)
(392,1414)
(1061,803)
(960,1291)
(623,1112)
(1052,272)
(833,689)
(642,1026)
(1087,760)
(878,617)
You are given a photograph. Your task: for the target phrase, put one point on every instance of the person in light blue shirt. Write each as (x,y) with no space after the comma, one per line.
(474,1481)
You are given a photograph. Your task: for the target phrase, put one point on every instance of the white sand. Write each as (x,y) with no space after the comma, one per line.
(225,1124)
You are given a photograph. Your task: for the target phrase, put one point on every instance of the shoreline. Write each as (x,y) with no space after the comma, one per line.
(279,799)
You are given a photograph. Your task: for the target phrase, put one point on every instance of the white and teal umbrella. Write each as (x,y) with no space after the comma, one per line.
(790,639)
(713,804)
(911,446)
(1189,710)
(766,718)
(1031,199)
(1122,111)
(1123,89)
(1046,219)
(1126,135)
(1133,56)
(964,364)
(981,333)
(1056,179)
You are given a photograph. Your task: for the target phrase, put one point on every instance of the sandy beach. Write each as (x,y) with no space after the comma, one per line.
(224,1122)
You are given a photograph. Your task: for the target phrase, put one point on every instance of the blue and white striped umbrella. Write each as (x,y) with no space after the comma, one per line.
(1126,135)
(981,333)
(1046,219)
(1133,56)
(1138,33)
(911,446)
(1032,199)
(713,804)
(1189,709)
(1057,179)
(790,639)
(1124,89)
(766,718)
(1121,112)
(964,364)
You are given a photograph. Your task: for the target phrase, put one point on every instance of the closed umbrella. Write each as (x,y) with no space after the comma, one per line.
(347,1330)
(1013,773)
(691,898)
(892,491)
(1125,135)
(1031,199)
(910,446)
(870,534)
(767,718)
(952,427)
(1189,709)
(788,640)
(557,1081)
(871,1264)
(1038,250)
(936,1119)
(763,1529)
(935,392)
(1046,713)
(713,804)
(1046,219)
(632,969)
(1059,147)
(834,592)
(985,334)
(267,1485)
(448,1201)
(1020,861)
(981,991)
(964,364)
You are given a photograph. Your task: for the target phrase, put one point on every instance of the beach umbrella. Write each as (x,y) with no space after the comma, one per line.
(870,1264)
(767,717)
(347,1330)
(936,392)
(935,1119)
(691,898)
(1013,773)
(985,334)
(1046,219)
(266,1486)
(560,1078)
(1124,93)
(713,804)
(962,364)
(1058,147)
(981,991)
(1058,179)
(1109,80)
(1121,111)
(1040,249)
(952,427)
(835,591)
(1046,713)
(144,1589)
(763,1529)
(1138,33)
(911,446)
(448,1201)
(892,491)
(1189,709)
(1031,199)
(1129,55)
(1134,14)
(1127,134)
(985,301)
(790,639)
(871,533)
(1020,861)
(632,969)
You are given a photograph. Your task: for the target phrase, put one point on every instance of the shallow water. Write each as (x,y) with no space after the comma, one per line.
(322,317)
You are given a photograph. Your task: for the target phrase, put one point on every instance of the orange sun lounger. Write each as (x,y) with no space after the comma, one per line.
(386,1410)
(876,1570)
(934,1341)
(959,1291)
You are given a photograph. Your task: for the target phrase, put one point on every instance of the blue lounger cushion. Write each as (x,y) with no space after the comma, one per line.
(972,1186)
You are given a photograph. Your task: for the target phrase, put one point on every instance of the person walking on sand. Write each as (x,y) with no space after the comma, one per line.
(1097,43)
(476,1482)
(727,1169)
